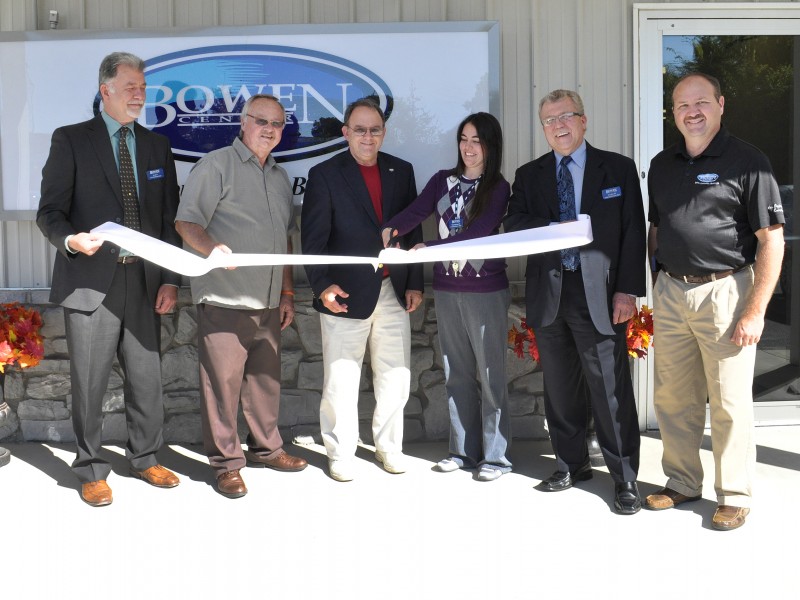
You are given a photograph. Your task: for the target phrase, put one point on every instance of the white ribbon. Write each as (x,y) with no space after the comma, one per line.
(504,245)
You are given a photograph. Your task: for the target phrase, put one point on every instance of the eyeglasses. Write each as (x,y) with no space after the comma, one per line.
(373,131)
(564,118)
(264,122)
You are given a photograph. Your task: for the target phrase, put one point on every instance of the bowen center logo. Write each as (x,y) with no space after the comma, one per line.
(195,97)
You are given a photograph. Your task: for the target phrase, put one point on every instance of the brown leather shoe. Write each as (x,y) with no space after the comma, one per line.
(667,498)
(231,485)
(729,517)
(283,462)
(158,476)
(96,493)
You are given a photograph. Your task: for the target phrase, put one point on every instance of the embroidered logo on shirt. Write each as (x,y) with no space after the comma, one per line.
(707,178)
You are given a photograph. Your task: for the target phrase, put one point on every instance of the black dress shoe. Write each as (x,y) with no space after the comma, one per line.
(626,498)
(560,480)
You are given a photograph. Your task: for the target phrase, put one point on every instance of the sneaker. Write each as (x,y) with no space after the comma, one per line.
(393,462)
(341,470)
(448,465)
(488,473)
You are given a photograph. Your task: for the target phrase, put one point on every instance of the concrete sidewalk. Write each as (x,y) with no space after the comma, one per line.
(422,535)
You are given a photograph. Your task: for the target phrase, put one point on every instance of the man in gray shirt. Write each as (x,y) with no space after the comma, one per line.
(237,199)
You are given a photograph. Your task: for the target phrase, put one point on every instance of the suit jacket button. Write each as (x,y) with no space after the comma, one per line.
(118,220)
(113,251)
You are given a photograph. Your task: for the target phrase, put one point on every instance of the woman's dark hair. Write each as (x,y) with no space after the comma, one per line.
(490,135)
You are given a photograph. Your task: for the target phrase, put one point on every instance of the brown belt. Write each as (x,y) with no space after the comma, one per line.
(705,278)
(128,260)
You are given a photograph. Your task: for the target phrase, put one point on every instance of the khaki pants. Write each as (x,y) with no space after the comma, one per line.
(695,360)
(344,343)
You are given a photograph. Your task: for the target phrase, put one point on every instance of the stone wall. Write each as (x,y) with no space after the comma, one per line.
(40,398)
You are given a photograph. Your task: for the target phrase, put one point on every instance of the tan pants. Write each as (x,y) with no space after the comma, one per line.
(387,331)
(695,360)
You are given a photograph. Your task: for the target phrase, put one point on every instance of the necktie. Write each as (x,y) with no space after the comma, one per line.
(570,257)
(130,199)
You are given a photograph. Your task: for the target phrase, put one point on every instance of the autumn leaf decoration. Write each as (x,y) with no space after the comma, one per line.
(518,338)
(20,341)
(639,336)
(640,333)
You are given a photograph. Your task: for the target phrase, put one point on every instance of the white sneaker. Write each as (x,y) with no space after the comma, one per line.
(447,465)
(488,473)
(341,470)
(393,462)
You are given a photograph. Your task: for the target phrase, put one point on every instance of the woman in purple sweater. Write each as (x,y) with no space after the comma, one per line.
(472,297)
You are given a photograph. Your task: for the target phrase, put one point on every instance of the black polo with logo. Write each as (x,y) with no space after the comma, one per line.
(707,208)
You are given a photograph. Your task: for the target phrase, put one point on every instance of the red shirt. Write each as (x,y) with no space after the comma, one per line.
(372,177)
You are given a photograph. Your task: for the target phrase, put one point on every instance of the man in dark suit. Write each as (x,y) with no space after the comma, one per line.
(579,299)
(347,200)
(111,169)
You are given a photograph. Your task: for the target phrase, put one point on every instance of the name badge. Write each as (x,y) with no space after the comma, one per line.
(456,223)
(614,192)
(155,174)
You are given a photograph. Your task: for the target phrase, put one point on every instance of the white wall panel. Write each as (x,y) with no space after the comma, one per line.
(423,10)
(241,12)
(285,12)
(545,44)
(71,13)
(101,14)
(150,13)
(15,15)
(194,13)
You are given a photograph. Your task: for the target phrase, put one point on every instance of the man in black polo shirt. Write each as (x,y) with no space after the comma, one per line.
(717,234)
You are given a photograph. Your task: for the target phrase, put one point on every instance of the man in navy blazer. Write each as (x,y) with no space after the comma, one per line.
(112,300)
(579,301)
(347,200)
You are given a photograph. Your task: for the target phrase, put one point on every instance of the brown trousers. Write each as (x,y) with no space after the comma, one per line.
(240,358)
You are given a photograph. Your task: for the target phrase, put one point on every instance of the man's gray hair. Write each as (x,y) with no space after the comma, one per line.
(557,95)
(110,64)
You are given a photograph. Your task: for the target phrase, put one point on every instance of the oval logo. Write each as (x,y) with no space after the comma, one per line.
(195,96)
(707,177)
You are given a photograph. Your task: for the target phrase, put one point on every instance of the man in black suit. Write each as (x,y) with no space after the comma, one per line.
(111,169)
(579,299)
(347,200)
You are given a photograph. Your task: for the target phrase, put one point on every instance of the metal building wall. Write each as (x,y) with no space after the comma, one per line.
(585,45)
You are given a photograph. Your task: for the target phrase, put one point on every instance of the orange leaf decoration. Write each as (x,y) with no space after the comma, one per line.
(20,340)
(639,335)
(518,338)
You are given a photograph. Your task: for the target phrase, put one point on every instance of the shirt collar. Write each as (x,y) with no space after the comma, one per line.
(578,157)
(246,154)
(113,125)
(714,147)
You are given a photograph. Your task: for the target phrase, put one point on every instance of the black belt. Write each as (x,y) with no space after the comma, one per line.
(128,260)
(705,278)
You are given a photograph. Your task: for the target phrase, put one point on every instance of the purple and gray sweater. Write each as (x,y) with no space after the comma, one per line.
(474,275)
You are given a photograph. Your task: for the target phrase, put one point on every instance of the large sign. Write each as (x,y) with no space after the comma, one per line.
(425,76)
(195,97)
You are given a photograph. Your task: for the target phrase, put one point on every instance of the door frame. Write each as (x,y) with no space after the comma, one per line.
(651,23)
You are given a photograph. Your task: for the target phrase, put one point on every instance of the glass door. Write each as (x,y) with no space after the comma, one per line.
(757,59)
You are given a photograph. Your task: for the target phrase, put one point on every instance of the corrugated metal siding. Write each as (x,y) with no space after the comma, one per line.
(545,44)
